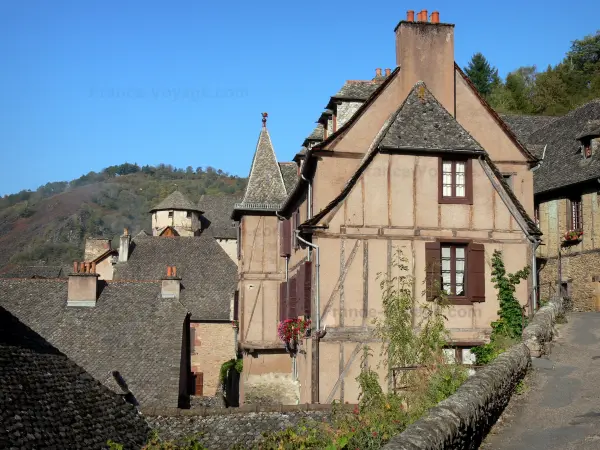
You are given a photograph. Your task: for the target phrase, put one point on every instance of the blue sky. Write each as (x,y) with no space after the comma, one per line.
(85,85)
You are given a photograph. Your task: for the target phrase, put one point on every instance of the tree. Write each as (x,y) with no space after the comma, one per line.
(482,74)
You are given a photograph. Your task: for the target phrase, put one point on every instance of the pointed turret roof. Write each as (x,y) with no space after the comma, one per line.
(422,123)
(266,188)
(176,201)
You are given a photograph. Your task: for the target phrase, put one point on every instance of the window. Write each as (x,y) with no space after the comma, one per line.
(586,145)
(296,224)
(575,214)
(189,215)
(455,181)
(458,268)
(536,214)
(453,270)
(170,214)
(508,179)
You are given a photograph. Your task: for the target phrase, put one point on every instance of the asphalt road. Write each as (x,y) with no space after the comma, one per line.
(562,409)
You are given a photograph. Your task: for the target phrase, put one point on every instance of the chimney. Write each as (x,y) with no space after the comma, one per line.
(388,72)
(410,16)
(83,285)
(171,284)
(124,246)
(377,73)
(425,51)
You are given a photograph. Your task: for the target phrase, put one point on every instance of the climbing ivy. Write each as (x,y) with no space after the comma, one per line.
(237,364)
(509,327)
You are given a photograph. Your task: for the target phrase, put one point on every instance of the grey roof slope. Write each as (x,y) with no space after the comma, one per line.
(216,220)
(592,128)
(289,171)
(265,186)
(176,201)
(131,330)
(33,272)
(421,123)
(47,401)
(357,90)
(523,125)
(317,134)
(209,276)
(563,163)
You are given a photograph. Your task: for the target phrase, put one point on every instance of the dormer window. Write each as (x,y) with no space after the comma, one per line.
(587,148)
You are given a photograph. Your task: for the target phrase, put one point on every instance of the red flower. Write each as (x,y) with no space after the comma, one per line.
(374,433)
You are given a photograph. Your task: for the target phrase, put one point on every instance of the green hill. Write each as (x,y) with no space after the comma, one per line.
(50,224)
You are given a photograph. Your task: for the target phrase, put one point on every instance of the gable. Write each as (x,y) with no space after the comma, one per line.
(471,112)
(169,232)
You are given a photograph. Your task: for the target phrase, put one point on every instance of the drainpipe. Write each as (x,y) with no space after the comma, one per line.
(309,207)
(534,245)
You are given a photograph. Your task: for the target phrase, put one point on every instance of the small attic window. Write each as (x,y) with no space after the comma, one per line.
(587,148)
(189,215)
(170,214)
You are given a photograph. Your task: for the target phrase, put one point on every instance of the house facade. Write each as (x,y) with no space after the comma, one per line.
(566,201)
(413,160)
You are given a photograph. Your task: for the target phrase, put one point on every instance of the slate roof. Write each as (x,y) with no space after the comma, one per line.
(591,129)
(17,271)
(47,401)
(317,134)
(216,220)
(131,330)
(523,125)
(563,164)
(422,123)
(357,90)
(265,189)
(209,276)
(289,171)
(176,201)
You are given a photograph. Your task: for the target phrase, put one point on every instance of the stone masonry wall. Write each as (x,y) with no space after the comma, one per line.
(578,271)
(463,420)
(213,344)
(233,427)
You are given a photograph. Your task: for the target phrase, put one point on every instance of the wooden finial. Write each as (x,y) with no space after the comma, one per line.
(264,119)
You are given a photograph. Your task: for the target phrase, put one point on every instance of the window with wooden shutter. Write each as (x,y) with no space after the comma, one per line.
(574,214)
(476,272)
(303,290)
(285,249)
(282,301)
(236,307)
(433,271)
(292,300)
(296,220)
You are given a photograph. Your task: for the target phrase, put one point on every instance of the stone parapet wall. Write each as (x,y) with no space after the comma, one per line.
(232,427)
(463,420)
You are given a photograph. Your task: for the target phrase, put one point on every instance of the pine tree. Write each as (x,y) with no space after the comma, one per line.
(482,74)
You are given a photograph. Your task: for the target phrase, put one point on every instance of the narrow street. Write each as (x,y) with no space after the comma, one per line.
(562,409)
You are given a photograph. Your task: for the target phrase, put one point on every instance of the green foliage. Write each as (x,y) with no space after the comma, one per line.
(557,90)
(237,364)
(508,329)
(156,443)
(97,204)
(482,74)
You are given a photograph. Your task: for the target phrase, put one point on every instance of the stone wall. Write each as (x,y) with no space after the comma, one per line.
(578,270)
(213,344)
(233,427)
(271,389)
(463,420)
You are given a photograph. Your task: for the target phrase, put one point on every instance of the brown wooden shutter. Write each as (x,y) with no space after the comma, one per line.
(300,290)
(292,300)
(199,383)
(236,307)
(476,272)
(282,301)
(295,227)
(285,238)
(469,181)
(307,288)
(433,269)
